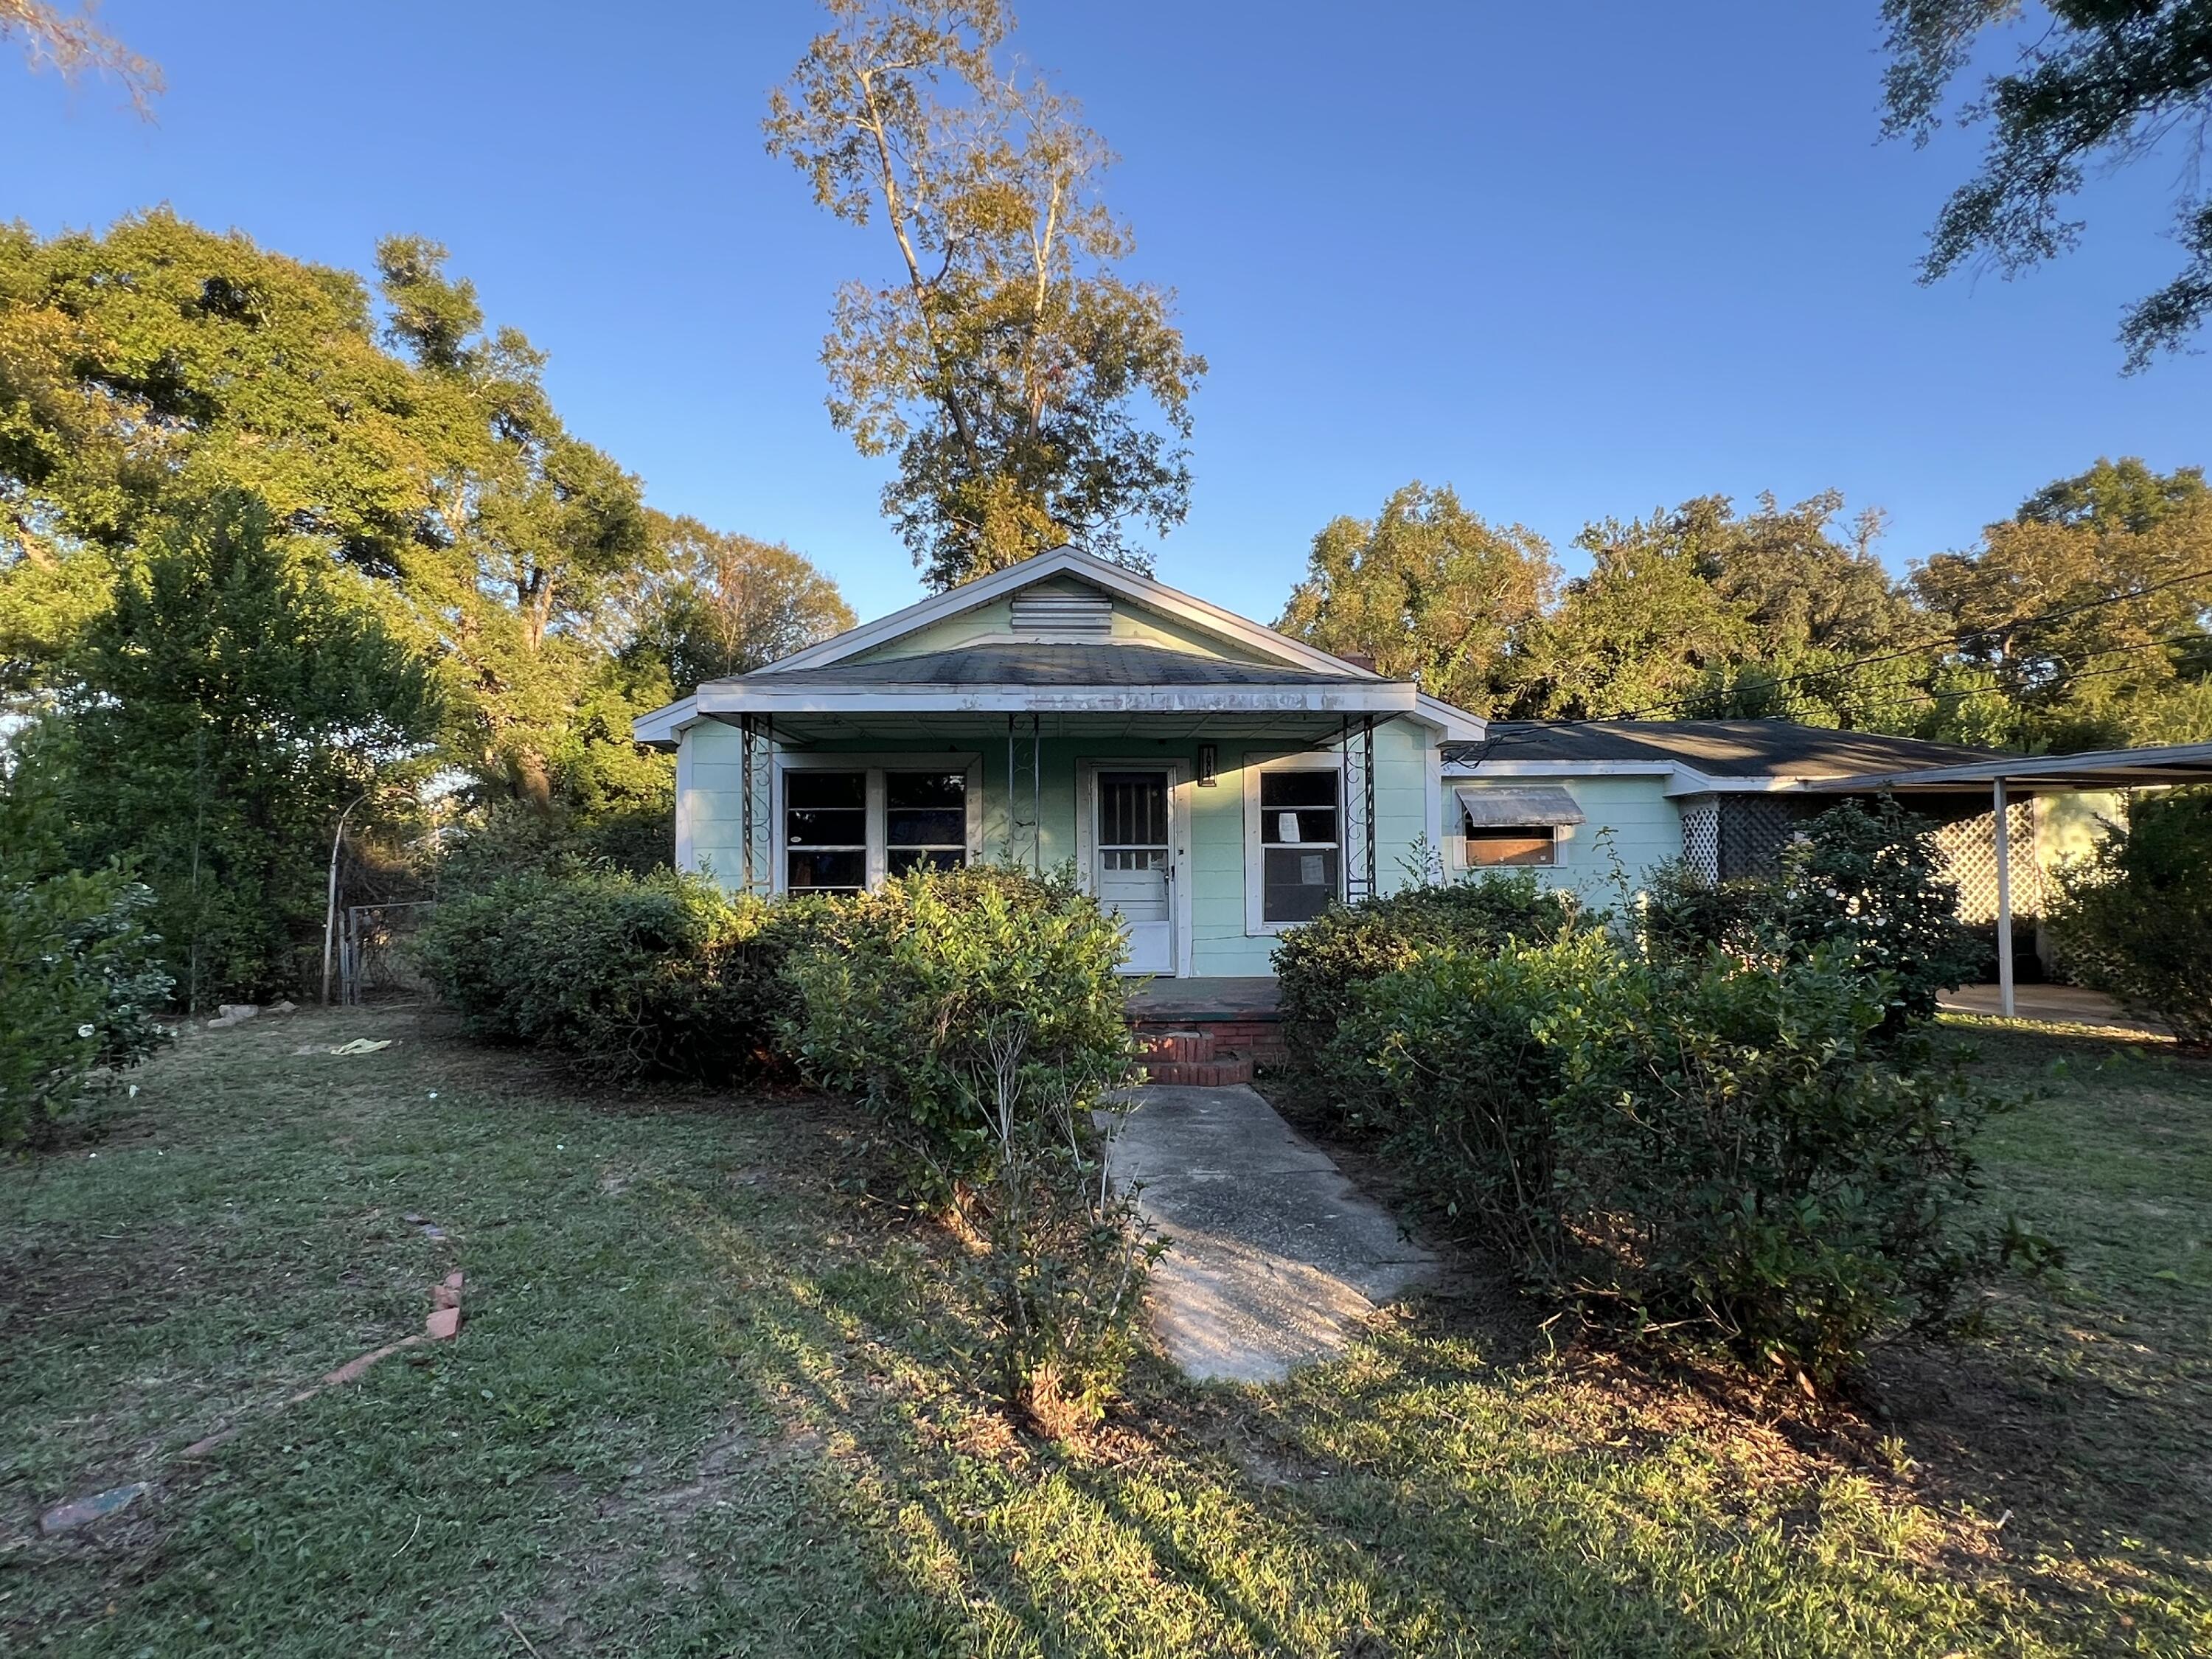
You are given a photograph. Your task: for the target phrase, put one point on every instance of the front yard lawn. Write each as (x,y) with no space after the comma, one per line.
(709,1400)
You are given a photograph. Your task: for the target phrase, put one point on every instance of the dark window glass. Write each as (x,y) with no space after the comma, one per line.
(814,869)
(1132,809)
(927,809)
(1297,809)
(1534,843)
(826,811)
(1296,883)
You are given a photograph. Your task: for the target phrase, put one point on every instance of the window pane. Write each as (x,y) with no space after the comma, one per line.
(1307,787)
(910,829)
(904,789)
(804,826)
(1296,884)
(811,871)
(805,787)
(1279,828)
(1534,844)
(900,860)
(1132,809)
(825,809)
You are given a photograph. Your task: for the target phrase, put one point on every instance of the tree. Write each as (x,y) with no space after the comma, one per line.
(1031,397)
(2090,608)
(1642,632)
(73,45)
(1801,587)
(236,696)
(723,605)
(1426,589)
(2103,82)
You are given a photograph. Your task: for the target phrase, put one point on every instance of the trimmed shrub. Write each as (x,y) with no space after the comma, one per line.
(624,976)
(1322,966)
(2135,920)
(1706,1145)
(1865,888)
(80,981)
(976,1013)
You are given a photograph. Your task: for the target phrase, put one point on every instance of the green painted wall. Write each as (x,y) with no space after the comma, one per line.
(1630,820)
(1134,624)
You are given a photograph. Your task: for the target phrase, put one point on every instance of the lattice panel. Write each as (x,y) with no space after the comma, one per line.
(1969,847)
(1701,838)
(1754,828)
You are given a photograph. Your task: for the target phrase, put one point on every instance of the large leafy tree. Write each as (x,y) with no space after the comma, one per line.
(230,702)
(717,605)
(1030,395)
(2090,610)
(1426,589)
(2096,84)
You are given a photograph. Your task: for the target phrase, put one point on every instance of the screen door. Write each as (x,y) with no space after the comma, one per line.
(1134,864)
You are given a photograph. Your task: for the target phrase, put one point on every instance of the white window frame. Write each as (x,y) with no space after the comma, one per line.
(1255,866)
(968,763)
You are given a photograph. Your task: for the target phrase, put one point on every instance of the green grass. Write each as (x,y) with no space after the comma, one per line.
(710,1399)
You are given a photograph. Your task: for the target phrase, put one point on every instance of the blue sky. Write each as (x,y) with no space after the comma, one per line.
(1577,259)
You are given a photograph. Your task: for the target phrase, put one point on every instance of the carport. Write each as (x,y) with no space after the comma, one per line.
(2023,777)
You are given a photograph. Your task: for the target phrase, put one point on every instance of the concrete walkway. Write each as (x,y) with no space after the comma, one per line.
(2056,1005)
(1277,1259)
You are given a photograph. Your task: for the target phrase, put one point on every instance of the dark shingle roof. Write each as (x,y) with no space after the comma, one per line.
(1721,749)
(1043,663)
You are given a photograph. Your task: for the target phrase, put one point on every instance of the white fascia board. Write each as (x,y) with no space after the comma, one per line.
(665,725)
(1066,561)
(1452,724)
(765,697)
(1529,768)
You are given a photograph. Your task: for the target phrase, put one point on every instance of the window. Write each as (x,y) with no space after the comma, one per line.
(1526,843)
(925,821)
(1301,852)
(825,831)
(844,830)
(1132,821)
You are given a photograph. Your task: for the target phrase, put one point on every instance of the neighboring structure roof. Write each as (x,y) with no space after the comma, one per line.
(1715,749)
(1056,664)
(2098,768)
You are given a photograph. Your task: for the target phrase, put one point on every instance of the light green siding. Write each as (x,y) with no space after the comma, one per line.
(1132,624)
(1633,826)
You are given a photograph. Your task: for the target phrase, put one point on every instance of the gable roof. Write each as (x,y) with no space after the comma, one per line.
(1066,561)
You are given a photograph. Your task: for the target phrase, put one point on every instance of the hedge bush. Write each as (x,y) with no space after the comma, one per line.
(82,986)
(624,976)
(1706,1145)
(977,1014)
(1867,888)
(1320,967)
(2135,920)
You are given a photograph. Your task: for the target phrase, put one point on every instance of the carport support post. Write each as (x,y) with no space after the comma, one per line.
(2004,897)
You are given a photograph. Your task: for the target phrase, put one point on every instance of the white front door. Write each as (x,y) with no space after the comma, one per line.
(1133,862)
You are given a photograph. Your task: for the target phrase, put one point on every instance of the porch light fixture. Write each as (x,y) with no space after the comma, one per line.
(1206,766)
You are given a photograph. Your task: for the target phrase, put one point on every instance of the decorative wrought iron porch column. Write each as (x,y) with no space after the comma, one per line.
(756,792)
(1356,744)
(1024,792)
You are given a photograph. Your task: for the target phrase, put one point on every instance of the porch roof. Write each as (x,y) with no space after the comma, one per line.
(1022,663)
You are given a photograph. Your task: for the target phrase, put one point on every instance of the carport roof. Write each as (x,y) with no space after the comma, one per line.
(1716,749)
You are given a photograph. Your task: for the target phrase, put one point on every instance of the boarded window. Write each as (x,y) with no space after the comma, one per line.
(1528,843)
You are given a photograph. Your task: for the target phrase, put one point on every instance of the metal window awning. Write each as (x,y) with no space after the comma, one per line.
(1494,806)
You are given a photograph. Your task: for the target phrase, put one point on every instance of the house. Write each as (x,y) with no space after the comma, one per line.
(1216,782)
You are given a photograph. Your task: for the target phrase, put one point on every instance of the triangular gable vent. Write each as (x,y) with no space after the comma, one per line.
(1044,613)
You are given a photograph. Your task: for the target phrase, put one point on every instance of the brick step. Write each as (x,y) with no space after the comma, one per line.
(1218,1073)
(1183,1047)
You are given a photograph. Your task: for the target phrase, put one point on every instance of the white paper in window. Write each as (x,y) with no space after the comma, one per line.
(1287,827)
(1312,870)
